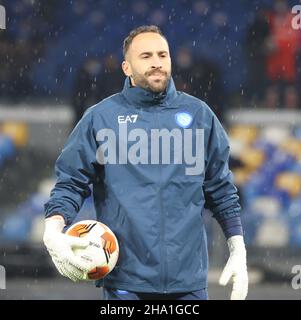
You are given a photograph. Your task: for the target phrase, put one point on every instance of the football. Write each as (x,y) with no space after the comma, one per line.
(103,249)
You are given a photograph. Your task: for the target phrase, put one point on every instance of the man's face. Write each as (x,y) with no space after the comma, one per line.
(148,62)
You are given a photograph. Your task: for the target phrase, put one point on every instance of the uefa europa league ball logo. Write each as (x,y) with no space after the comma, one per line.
(2,17)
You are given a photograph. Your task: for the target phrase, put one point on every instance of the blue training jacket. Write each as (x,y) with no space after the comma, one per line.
(154,161)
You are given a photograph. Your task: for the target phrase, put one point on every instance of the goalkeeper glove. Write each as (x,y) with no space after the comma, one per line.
(60,245)
(236,268)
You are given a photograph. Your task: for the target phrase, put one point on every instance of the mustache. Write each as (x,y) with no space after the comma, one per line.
(150,73)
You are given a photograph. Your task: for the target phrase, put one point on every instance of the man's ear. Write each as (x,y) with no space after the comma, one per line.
(126,68)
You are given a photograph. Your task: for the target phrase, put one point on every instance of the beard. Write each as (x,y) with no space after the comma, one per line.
(155,85)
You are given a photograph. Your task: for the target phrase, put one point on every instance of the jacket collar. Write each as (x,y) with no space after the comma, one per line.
(142,97)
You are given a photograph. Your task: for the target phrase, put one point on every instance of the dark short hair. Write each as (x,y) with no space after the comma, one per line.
(142,29)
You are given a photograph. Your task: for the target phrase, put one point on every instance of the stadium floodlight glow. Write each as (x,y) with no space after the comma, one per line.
(296,21)
(2,17)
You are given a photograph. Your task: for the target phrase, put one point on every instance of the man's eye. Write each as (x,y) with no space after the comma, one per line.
(145,57)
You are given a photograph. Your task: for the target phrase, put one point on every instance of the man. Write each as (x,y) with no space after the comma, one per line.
(155,158)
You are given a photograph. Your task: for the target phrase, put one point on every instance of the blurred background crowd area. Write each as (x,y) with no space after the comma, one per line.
(229,53)
(58,58)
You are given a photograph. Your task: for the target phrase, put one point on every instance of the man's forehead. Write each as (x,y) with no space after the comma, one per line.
(150,42)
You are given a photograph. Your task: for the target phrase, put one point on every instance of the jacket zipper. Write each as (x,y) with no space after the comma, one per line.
(162,225)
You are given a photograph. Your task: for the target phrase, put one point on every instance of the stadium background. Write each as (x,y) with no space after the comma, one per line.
(242,57)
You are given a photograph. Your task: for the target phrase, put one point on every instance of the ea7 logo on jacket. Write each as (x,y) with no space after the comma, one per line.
(125,119)
(157,146)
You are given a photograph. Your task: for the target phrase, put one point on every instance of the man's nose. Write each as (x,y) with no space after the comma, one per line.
(156,62)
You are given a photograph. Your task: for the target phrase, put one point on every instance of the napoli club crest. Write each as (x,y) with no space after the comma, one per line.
(183,119)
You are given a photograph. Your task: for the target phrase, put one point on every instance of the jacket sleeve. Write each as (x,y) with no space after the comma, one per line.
(75,171)
(219,189)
